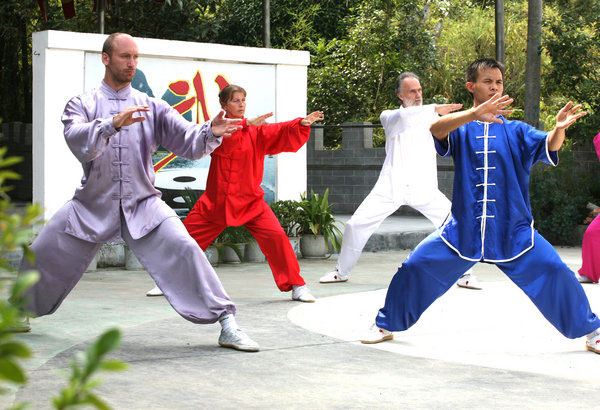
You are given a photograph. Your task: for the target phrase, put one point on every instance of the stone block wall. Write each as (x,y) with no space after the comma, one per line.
(586,156)
(16,136)
(351,172)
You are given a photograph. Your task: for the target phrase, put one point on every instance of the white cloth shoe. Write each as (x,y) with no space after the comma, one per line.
(592,342)
(302,294)
(468,281)
(376,335)
(333,276)
(21,326)
(155,291)
(237,339)
(583,278)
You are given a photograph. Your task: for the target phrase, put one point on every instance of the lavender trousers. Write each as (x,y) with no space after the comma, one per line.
(170,255)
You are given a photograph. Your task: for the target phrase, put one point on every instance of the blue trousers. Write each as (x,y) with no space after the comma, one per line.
(432,268)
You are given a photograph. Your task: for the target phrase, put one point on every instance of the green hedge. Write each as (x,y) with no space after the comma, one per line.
(559,196)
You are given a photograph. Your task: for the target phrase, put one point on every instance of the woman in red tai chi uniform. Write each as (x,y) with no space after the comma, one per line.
(233,196)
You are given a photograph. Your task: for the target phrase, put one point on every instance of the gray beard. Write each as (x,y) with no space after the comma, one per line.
(412,103)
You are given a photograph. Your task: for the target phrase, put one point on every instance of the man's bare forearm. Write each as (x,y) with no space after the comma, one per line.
(442,127)
(556,138)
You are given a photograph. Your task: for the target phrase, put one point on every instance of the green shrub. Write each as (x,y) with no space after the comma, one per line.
(288,214)
(559,196)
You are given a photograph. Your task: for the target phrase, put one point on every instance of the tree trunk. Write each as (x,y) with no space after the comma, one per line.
(500,30)
(534,62)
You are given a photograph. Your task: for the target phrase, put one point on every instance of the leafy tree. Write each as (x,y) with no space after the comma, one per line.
(573,45)
(469,35)
(354,77)
(293,22)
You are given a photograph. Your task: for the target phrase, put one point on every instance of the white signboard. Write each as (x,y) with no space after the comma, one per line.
(188,76)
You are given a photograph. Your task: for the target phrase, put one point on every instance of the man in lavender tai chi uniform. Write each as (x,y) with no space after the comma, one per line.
(113,130)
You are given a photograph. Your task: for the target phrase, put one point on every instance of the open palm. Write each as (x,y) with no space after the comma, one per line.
(312,117)
(494,106)
(568,115)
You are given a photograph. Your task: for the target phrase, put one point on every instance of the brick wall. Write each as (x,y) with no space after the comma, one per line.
(351,172)
(16,136)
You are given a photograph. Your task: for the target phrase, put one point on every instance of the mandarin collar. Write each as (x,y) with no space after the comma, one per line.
(122,93)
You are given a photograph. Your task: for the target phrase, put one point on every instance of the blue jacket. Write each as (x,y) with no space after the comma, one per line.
(491,217)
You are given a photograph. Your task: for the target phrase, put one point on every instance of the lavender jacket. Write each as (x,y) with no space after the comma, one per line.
(118,174)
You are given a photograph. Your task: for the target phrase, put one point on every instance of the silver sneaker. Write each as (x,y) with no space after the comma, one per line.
(237,339)
(302,294)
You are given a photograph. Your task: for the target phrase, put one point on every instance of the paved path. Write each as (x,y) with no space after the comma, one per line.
(471,349)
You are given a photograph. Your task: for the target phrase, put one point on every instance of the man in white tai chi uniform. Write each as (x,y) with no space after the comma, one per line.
(408,177)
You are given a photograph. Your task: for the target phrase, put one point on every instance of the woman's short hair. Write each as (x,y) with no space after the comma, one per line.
(227,93)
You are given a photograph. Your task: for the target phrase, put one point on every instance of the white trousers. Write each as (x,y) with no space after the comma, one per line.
(377,206)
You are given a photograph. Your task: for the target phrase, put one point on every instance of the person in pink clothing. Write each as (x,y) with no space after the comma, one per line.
(590,249)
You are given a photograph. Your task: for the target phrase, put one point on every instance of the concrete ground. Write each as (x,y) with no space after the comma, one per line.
(471,349)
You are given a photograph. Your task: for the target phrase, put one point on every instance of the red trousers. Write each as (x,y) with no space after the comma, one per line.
(267,231)
(590,250)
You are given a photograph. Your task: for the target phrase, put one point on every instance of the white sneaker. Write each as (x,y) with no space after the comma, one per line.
(333,276)
(468,281)
(376,335)
(21,326)
(155,291)
(302,294)
(237,339)
(592,342)
(583,278)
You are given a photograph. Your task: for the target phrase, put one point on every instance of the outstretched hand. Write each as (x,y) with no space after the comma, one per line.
(444,109)
(312,117)
(224,127)
(491,108)
(568,115)
(125,117)
(260,120)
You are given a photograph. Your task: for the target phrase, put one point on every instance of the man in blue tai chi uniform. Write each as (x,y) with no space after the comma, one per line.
(491,217)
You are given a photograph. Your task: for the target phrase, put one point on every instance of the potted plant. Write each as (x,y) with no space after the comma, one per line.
(318,226)
(231,243)
(253,253)
(190,197)
(289,214)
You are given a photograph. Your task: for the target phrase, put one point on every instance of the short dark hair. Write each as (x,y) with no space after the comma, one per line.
(482,64)
(107,47)
(227,93)
(401,77)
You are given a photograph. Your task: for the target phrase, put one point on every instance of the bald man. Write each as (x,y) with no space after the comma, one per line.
(113,131)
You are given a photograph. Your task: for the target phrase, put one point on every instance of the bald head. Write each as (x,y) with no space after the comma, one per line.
(108,45)
(119,56)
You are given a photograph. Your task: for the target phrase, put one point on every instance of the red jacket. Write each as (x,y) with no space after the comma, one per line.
(233,194)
